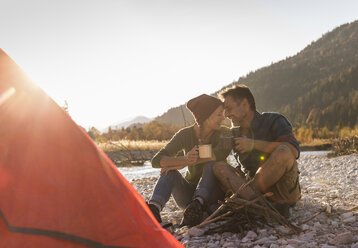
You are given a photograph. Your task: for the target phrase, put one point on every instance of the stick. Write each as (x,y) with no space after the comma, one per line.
(312,217)
(274,214)
(212,220)
(232,196)
(247,203)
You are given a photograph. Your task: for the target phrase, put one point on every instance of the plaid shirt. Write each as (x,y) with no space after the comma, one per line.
(271,127)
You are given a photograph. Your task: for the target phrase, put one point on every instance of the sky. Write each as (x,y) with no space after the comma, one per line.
(113,60)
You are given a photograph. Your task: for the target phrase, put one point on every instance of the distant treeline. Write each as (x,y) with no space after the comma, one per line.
(155,130)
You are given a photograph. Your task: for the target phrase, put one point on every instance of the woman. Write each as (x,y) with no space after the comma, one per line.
(208,113)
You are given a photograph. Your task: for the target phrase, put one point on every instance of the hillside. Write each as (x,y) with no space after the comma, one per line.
(317,86)
(179,116)
(139,120)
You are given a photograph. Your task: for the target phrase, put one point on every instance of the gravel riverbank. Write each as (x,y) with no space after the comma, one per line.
(324,181)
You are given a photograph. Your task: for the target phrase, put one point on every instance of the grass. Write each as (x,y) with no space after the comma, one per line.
(303,135)
(316,142)
(131,145)
(145,145)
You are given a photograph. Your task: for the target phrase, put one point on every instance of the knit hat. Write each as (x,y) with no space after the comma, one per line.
(203,106)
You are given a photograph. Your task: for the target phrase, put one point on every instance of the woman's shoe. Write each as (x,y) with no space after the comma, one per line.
(155,212)
(193,214)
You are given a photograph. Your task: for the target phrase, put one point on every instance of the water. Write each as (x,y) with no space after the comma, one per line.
(145,171)
(137,172)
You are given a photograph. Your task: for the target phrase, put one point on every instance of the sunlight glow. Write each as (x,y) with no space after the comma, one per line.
(6,95)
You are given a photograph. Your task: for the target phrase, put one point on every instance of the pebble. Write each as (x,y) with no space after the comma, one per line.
(251,235)
(347,215)
(289,246)
(355,245)
(305,227)
(351,219)
(263,241)
(308,236)
(328,246)
(195,232)
(325,182)
(343,238)
(229,244)
(274,246)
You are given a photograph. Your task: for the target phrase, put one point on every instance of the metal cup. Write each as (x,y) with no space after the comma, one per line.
(226,142)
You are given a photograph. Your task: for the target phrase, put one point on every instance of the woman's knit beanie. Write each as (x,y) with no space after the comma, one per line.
(203,106)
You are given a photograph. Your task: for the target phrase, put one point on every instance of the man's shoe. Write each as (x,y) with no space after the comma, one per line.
(193,214)
(155,212)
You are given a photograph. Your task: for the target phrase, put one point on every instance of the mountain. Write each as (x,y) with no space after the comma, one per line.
(179,116)
(317,86)
(125,124)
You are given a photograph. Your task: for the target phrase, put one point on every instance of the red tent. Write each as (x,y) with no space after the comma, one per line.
(57,189)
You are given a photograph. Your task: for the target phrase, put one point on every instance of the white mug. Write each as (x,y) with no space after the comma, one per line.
(205,151)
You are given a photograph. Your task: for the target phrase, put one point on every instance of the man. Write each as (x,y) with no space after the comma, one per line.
(266,149)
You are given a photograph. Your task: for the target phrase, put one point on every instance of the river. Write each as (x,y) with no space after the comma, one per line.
(145,171)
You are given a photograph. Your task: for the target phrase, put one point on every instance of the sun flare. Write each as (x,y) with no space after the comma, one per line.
(6,95)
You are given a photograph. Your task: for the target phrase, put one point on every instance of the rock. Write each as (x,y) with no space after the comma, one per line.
(226,235)
(295,242)
(305,227)
(186,236)
(272,237)
(262,233)
(351,219)
(346,215)
(317,225)
(283,230)
(328,246)
(263,241)
(195,232)
(289,246)
(218,236)
(334,223)
(274,246)
(355,245)
(343,238)
(308,236)
(282,242)
(229,244)
(249,237)
(311,245)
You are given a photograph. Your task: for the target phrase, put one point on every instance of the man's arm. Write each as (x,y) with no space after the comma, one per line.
(281,131)
(245,145)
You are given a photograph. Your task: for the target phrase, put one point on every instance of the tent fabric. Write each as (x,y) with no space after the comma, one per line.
(57,189)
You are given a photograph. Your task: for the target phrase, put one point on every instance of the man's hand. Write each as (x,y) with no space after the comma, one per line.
(243,144)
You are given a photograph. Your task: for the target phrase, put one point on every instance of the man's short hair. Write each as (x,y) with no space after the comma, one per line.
(239,92)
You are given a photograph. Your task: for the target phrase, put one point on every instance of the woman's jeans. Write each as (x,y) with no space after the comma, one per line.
(183,192)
